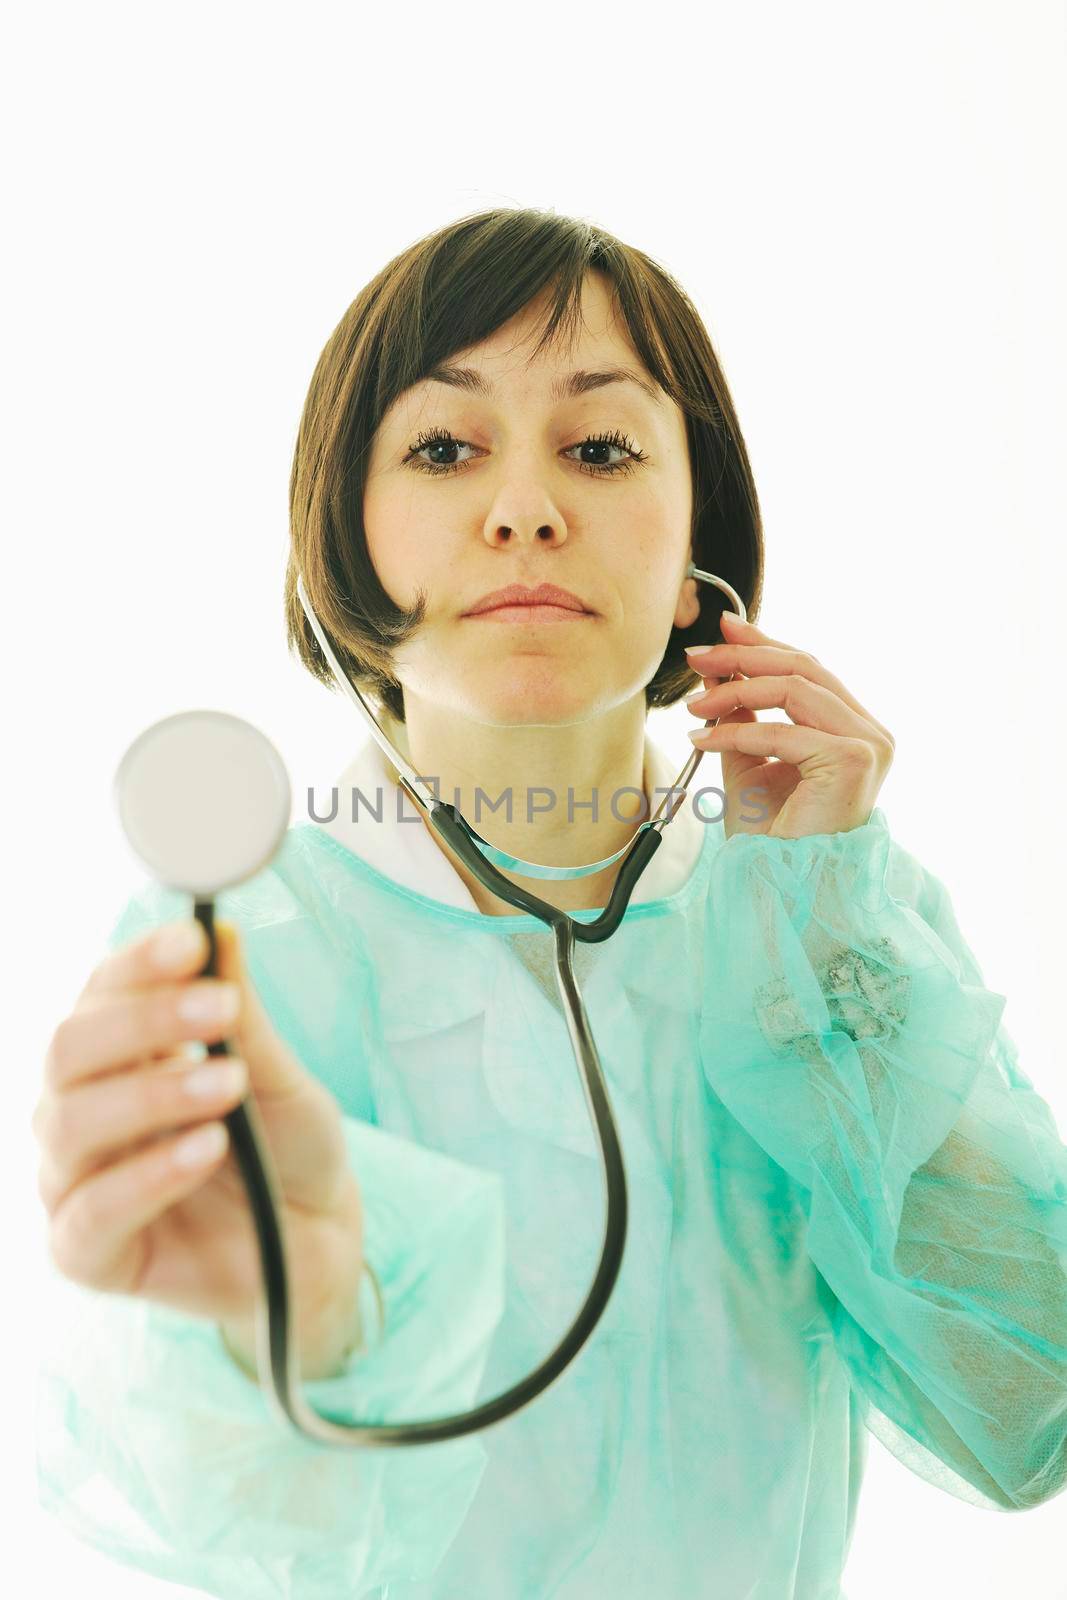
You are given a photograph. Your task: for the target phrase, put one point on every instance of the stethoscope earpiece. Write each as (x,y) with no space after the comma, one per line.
(693,571)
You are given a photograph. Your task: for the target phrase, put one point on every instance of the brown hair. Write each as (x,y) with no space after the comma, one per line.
(450,291)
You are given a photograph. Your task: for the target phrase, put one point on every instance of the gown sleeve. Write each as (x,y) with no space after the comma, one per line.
(156,1448)
(847,1027)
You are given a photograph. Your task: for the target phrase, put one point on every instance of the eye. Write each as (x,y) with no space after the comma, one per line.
(601,441)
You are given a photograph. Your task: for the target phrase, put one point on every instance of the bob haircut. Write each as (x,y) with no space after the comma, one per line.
(449,291)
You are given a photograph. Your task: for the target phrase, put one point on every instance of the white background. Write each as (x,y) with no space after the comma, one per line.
(866,205)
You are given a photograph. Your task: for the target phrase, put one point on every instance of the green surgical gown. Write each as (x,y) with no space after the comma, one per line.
(847,1215)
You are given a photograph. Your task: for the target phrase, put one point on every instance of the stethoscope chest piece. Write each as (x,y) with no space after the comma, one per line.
(204,799)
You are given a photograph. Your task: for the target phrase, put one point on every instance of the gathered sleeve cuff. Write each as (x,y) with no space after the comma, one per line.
(848,1029)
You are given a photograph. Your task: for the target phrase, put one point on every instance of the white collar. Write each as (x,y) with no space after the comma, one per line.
(400,846)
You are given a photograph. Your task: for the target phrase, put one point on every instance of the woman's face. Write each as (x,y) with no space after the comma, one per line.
(530,504)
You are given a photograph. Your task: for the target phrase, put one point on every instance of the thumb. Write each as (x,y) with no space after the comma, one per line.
(272,1066)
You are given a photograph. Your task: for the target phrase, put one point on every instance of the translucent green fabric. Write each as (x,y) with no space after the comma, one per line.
(848,1212)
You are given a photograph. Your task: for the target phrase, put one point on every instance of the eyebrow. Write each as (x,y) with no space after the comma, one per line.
(568,388)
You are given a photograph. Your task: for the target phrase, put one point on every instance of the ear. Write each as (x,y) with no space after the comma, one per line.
(687,611)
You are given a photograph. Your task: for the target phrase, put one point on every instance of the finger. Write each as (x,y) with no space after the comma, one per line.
(788,742)
(93,1236)
(754,660)
(700,704)
(176,950)
(807,703)
(125,1026)
(749,631)
(735,765)
(736,713)
(94,1123)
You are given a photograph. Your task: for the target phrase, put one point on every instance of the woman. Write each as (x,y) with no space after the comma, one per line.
(848,1206)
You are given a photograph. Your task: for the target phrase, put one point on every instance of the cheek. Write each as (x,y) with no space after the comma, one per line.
(652,583)
(394,562)
(398,546)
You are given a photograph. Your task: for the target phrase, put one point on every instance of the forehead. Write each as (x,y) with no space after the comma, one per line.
(599,353)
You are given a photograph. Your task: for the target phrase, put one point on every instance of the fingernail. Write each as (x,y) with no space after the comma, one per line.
(202,1146)
(209,1003)
(697,649)
(221,1078)
(699,695)
(176,943)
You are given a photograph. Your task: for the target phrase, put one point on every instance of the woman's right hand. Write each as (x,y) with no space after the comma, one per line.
(118,1113)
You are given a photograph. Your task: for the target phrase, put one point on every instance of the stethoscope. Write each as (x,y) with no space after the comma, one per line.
(202,837)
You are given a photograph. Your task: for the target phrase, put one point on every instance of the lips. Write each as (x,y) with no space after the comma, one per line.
(517,594)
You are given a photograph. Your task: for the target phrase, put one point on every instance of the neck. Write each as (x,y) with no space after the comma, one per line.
(558,796)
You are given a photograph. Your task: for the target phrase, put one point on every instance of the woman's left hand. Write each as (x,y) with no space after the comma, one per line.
(832,761)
